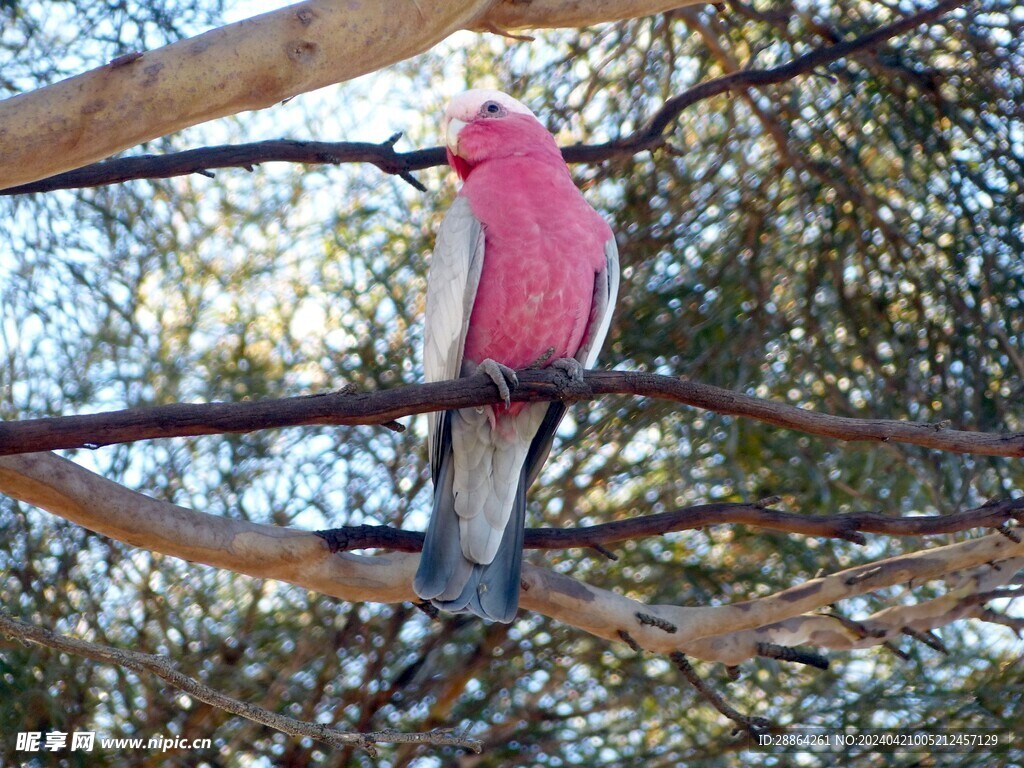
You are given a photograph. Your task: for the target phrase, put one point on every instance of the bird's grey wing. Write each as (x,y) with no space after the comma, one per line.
(452,282)
(606,290)
(443,569)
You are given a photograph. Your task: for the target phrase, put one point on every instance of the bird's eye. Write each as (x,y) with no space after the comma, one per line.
(492,109)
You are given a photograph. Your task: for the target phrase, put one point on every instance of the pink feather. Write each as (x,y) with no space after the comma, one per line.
(544,243)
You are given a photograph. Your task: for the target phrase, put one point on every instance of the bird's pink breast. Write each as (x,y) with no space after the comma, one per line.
(544,247)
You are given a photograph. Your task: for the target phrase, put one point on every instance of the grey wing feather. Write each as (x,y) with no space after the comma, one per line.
(542,441)
(442,563)
(606,290)
(452,283)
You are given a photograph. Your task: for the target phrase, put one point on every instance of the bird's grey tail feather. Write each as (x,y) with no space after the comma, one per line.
(453,583)
(492,590)
(443,569)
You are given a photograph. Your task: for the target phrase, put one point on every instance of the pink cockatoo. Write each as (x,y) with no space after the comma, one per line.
(524,275)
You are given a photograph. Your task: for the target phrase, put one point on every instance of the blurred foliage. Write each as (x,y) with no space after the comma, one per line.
(850,242)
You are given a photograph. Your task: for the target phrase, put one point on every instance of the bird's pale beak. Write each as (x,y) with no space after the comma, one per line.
(451,135)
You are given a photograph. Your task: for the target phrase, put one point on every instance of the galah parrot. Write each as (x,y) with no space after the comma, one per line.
(524,275)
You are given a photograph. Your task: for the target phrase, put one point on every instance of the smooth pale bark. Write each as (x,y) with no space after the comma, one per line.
(251,64)
(728,633)
(298,557)
(549,14)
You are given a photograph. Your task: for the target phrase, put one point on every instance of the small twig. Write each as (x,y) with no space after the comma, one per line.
(855,626)
(864,574)
(927,638)
(496,30)
(1011,533)
(604,551)
(647,619)
(628,640)
(791,654)
(124,59)
(994,617)
(749,724)
(412,181)
(430,610)
(1003,593)
(165,669)
(896,651)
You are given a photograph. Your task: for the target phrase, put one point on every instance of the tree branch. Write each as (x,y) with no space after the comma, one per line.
(751,725)
(362,408)
(251,64)
(728,634)
(792,655)
(384,156)
(880,629)
(166,669)
(206,159)
(994,617)
(849,526)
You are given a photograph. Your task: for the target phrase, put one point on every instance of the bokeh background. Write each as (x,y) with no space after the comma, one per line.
(851,242)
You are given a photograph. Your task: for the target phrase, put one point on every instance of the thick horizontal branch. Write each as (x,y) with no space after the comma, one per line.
(727,633)
(251,64)
(849,526)
(381,407)
(384,156)
(164,668)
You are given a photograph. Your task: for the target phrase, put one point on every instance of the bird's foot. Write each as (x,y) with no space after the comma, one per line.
(573,368)
(502,376)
